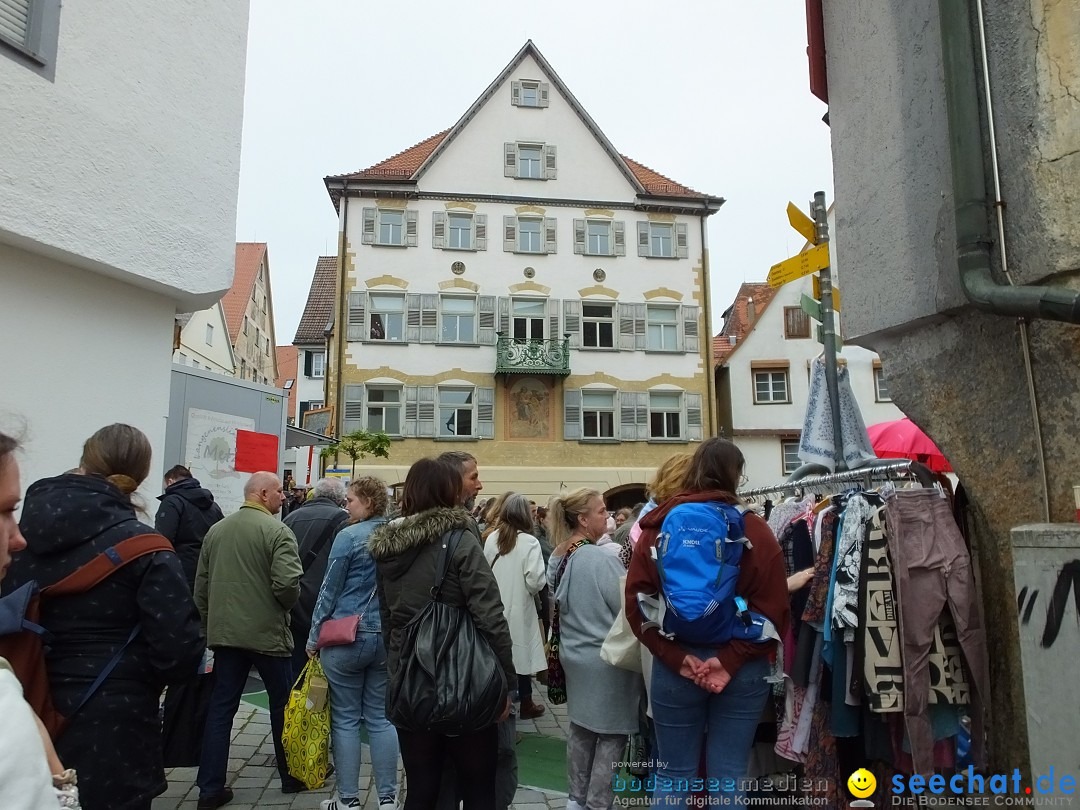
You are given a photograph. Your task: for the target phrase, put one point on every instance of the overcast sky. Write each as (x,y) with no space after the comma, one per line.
(712,93)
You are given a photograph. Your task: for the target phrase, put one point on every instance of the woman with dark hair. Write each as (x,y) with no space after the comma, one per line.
(143,612)
(518,565)
(357,671)
(406,551)
(716,692)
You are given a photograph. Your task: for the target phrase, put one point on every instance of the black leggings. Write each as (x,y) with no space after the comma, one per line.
(472,756)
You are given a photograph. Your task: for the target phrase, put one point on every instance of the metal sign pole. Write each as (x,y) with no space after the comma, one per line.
(828,328)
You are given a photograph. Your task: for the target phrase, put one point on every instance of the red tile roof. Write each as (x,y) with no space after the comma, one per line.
(737,321)
(249,258)
(286,368)
(658,184)
(319,308)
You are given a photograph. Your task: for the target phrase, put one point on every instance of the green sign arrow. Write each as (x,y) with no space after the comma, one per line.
(811,307)
(821,338)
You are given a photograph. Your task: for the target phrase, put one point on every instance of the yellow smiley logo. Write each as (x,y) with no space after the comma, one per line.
(861,783)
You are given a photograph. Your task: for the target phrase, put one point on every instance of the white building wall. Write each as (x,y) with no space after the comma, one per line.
(305,464)
(127,162)
(217,356)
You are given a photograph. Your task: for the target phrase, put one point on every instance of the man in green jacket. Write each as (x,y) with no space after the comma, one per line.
(247,581)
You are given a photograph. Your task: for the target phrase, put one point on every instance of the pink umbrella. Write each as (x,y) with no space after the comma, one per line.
(904,439)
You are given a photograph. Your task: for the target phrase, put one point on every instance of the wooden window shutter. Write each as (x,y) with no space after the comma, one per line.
(690,329)
(504,316)
(412,318)
(618,232)
(572,414)
(682,248)
(509,234)
(438,229)
(485,413)
(626,327)
(550,232)
(572,321)
(545,94)
(628,416)
(515,93)
(425,421)
(15,20)
(639,326)
(486,309)
(796,323)
(367,235)
(429,318)
(643,239)
(411,411)
(579,236)
(550,165)
(510,160)
(642,415)
(356,316)
(551,308)
(480,226)
(693,417)
(411,229)
(354,408)
(307,363)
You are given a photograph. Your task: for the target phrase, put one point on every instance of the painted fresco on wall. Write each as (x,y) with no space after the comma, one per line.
(529,409)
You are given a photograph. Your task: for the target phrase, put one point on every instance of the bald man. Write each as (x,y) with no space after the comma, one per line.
(247,581)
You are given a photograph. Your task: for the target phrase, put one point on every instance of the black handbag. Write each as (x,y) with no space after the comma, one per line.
(184,719)
(449,680)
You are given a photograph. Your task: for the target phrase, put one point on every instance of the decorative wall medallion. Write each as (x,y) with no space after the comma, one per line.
(598,274)
(457,268)
(529,272)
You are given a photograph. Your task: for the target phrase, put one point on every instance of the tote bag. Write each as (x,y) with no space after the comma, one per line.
(621,647)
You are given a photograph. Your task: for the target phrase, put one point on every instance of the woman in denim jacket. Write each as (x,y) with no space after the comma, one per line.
(357,671)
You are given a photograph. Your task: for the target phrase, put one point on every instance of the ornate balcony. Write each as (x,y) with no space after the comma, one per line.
(532,356)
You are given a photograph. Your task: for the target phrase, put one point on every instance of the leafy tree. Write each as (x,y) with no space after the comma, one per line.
(357,445)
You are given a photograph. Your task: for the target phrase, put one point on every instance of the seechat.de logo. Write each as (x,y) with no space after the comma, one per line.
(862,784)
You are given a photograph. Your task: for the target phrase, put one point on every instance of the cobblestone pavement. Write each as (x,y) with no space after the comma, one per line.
(253,776)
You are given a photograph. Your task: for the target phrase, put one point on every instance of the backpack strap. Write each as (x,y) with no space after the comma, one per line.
(442,562)
(107,563)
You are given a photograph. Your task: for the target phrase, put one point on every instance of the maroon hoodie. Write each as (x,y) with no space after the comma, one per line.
(762,583)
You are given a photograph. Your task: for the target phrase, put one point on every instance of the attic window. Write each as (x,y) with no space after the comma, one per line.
(529,93)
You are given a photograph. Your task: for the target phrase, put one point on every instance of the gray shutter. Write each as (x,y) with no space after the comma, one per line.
(618,230)
(354,409)
(411,228)
(551,307)
(480,228)
(15,18)
(515,93)
(545,93)
(628,416)
(425,419)
(550,163)
(690,329)
(639,326)
(356,313)
(510,234)
(626,327)
(485,413)
(642,415)
(308,361)
(411,411)
(504,316)
(550,232)
(643,239)
(579,236)
(429,318)
(693,417)
(572,321)
(438,229)
(682,248)
(572,414)
(412,318)
(486,308)
(367,235)
(510,160)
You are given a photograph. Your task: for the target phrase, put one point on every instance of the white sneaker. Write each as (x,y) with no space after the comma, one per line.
(338,803)
(388,803)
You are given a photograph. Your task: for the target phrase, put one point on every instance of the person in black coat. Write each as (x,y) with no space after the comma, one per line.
(187,511)
(114,741)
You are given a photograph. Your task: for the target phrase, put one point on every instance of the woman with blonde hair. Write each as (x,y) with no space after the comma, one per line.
(492,514)
(602,699)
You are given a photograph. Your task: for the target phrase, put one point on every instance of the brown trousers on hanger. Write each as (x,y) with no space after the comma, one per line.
(932,568)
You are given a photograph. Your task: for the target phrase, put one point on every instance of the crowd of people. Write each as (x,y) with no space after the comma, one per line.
(542,584)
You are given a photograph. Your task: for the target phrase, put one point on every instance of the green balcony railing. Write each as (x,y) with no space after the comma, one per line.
(532,356)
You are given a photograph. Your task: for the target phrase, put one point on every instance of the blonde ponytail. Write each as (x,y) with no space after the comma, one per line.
(563,512)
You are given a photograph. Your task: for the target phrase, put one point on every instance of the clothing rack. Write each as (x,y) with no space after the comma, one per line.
(877,469)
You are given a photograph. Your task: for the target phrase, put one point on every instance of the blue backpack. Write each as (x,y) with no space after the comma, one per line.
(698,552)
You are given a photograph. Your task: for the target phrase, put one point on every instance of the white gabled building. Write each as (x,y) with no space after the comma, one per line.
(203,341)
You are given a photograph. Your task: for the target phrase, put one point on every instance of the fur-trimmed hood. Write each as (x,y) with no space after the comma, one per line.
(395,545)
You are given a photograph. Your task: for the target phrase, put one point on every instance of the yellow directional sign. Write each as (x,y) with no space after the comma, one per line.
(809,261)
(802,223)
(835,294)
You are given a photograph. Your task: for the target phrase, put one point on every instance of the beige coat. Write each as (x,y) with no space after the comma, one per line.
(521,576)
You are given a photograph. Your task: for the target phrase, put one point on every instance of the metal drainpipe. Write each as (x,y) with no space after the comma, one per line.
(973,237)
(343,312)
(710,369)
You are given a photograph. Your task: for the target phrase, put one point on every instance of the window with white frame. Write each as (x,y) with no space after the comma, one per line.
(391,227)
(665,415)
(881,386)
(598,237)
(530,162)
(383,409)
(597,414)
(661,240)
(530,235)
(771,386)
(662,328)
(527,321)
(386,316)
(459,228)
(456,411)
(209,334)
(789,456)
(458,316)
(318,364)
(597,325)
(530,94)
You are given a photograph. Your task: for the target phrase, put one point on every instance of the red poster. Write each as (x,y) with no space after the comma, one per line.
(256,451)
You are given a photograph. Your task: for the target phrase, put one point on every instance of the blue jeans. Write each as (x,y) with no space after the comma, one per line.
(231,668)
(357,676)
(683,713)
